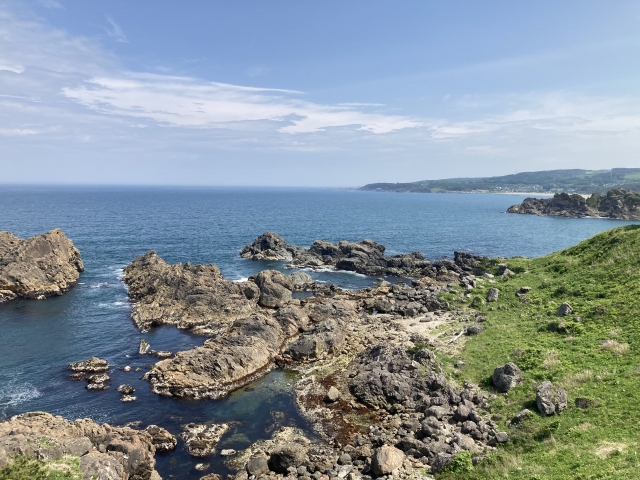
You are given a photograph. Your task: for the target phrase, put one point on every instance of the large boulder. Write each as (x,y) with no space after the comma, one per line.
(275,288)
(564,310)
(386,459)
(506,377)
(387,376)
(38,267)
(193,297)
(300,280)
(103,451)
(493,294)
(550,399)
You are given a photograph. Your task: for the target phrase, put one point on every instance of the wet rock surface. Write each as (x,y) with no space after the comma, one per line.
(104,451)
(37,267)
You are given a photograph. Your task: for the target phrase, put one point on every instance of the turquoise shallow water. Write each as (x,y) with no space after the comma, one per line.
(111,226)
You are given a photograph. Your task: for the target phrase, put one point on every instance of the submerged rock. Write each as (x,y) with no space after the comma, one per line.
(120,453)
(192,297)
(38,267)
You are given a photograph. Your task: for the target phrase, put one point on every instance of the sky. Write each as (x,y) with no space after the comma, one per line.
(332,93)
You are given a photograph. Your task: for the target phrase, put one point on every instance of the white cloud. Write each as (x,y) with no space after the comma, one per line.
(116,32)
(17,131)
(188,102)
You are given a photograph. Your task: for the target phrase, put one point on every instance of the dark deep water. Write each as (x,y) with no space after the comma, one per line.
(111,226)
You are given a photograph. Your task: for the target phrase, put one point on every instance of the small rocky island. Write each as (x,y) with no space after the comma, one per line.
(366,257)
(617,203)
(37,267)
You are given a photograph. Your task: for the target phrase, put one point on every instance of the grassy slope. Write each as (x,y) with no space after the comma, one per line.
(600,278)
(26,468)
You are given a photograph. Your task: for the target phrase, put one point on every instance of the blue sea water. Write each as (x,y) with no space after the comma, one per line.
(111,226)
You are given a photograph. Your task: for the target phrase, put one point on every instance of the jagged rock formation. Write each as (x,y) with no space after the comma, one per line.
(249,349)
(270,246)
(37,267)
(103,451)
(366,257)
(617,203)
(192,297)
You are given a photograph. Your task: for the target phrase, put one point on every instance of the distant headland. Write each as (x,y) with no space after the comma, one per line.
(550,181)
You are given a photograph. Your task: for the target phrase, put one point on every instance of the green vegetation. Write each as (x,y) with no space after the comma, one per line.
(594,354)
(28,468)
(571,181)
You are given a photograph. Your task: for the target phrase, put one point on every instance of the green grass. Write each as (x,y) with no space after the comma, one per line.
(27,468)
(597,358)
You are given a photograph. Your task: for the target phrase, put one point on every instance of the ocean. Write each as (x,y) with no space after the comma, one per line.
(111,226)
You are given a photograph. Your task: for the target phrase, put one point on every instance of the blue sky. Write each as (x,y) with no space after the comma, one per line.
(328,93)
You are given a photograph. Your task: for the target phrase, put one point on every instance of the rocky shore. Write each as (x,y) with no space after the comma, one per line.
(365,357)
(617,203)
(366,257)
(37,267)
(81,447)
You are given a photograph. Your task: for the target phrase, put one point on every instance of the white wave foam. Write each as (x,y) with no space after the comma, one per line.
(12,394)
(241,279)
(333,270)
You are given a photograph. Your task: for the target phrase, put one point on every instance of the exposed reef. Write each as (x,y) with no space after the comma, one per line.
(366,257)
(617,203)
(95,451)
(37,267)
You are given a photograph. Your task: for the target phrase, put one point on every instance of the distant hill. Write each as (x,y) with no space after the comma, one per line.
(569,181)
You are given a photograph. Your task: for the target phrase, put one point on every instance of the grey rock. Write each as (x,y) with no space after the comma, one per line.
(300,279)
(474,329)
(126,389)
(520,416)
(286,456)
(386,459)
(506,377)
(550,399)
(258,465)
(502,437)
(275,288)
(161,438)
(144,346)
(564,310)
(493,294)
(333,394)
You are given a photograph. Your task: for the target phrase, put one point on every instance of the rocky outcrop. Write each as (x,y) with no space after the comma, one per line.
(270,246)
(37,267)
(617,203)
(386,460)
(192,297)
(366,257)
(201,438)
(275,288)
(161,438)
(242,354)
(103,451)
(249,349)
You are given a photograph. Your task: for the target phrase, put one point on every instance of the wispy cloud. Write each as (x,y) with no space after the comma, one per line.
(114,31)
(189,102)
